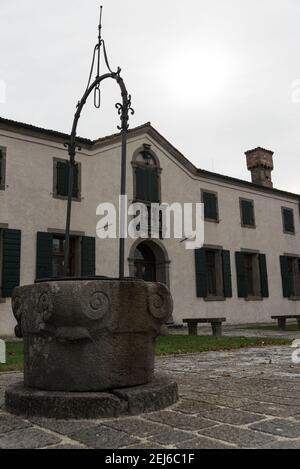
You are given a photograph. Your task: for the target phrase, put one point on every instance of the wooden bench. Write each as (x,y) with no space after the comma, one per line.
(282,320)
(216,325)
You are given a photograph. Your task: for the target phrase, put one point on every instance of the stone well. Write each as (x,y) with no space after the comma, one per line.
(88,339)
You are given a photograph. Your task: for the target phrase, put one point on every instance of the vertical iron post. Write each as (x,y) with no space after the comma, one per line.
(71,164)
(123,206)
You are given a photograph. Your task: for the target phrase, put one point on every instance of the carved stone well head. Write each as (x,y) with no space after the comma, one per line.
(90,334)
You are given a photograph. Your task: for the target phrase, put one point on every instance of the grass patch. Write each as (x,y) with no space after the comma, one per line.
(178,344)
(166,345)
(14,357)
(292,327)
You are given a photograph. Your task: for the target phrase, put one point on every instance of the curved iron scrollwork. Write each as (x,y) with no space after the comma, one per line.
(123,111)
(72,148)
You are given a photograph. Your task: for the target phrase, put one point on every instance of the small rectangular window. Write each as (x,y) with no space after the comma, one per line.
(61,179)
(247,213)
(288,220)
(210,201)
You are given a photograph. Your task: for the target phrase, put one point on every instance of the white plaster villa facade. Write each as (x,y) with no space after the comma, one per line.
(247,287)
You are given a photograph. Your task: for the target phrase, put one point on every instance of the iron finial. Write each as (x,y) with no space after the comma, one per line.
(100,24)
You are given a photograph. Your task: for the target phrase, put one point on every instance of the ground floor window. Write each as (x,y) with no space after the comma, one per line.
(50,256)
(213,273)
(58,254)
(252,276)
(290,273)
(10,260)
(214,284)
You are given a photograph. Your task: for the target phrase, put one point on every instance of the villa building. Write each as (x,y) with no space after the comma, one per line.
(247,270)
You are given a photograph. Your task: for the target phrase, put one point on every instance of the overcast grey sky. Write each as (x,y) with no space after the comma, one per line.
(215,77)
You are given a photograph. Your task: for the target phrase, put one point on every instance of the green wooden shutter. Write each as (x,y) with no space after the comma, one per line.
(241,274)
(285,277)
(227,286)
(11,261)
(263,275)
(210,205)
(62,174)
(88,256)
(152,177)
(247,212)
(44,250)
(288,221)
(201,286)
(141,183)
(62,186)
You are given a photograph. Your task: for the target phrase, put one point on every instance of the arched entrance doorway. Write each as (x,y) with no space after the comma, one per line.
(149,261)
(144,263)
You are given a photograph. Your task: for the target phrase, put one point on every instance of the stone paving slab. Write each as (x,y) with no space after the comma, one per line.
(248,398)
(232,416)
(278,427)
(103,437)
(27,438)
(240,436)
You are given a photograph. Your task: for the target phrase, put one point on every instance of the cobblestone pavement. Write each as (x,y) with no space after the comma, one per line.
(241,399)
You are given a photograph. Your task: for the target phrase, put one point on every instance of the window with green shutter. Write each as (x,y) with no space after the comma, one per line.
(213,273)
(62,179)
(288,220)
(147,184)
(210,201)
(11,258)
(290,276)
(51,251)
(252,275)
(247,213)
(146,176)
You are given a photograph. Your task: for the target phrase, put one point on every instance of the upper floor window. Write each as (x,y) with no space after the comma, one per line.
(2,167)
(61,179)
(146,176)
(288,220)
(247,213)
(210,201)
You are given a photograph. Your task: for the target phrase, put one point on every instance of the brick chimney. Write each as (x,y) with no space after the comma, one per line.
(260,163)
